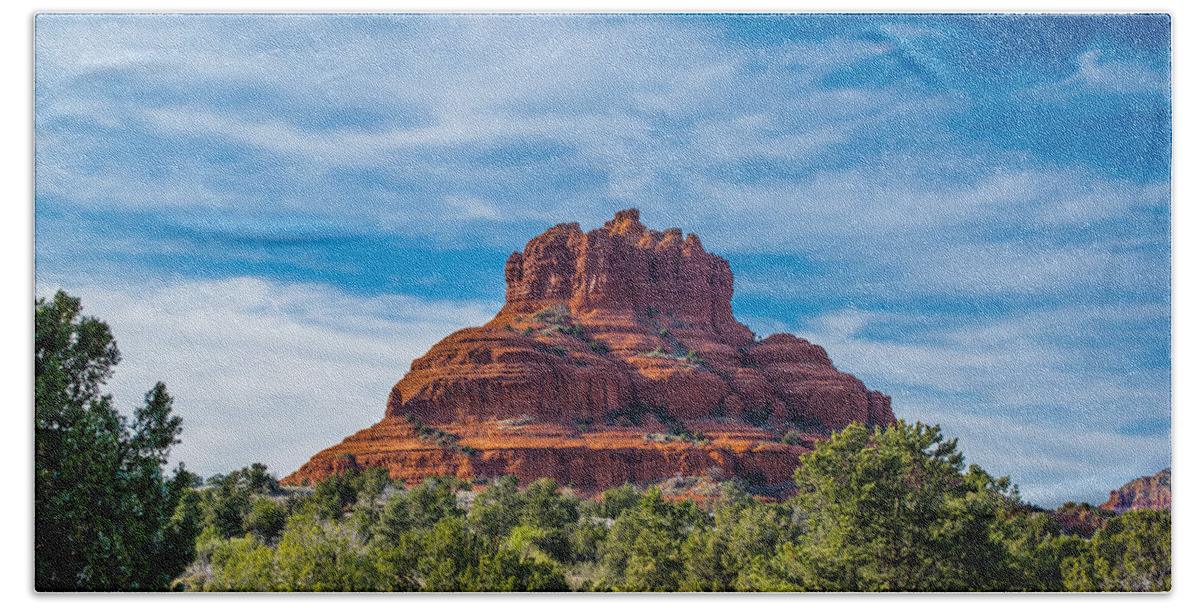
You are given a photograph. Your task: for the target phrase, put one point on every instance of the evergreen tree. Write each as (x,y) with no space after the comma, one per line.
(644,549)
(892,510)
(1132,552)
(103,507)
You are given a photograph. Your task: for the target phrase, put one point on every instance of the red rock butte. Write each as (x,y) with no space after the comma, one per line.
(1152,492)
(615,358)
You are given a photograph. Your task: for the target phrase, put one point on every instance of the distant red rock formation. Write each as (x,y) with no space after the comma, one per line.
(1153,492)
(613,349)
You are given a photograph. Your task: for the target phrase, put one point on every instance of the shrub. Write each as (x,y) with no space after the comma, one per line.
(657,353)
(266,518)
(678,433)
(574,330)
(554,313)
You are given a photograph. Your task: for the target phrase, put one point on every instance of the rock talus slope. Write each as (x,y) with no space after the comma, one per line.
(615,358)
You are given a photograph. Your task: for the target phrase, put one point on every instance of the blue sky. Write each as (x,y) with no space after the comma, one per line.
(277,213)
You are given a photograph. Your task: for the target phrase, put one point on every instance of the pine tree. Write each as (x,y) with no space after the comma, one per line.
(103,507)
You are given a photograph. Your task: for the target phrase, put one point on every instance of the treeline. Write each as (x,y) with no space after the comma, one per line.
(884,509)
(876,510)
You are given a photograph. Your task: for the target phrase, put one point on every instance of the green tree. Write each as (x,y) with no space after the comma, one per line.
(409,515)
(239,564)
(433,500)
(266,518)
(337,492)
(509,569)
(395,520)
(374,481)
(586,536)
(644,549)
(453,558)
(1132,552)
(1037,548)
(396,560)
(226,504)
(714,558)
(552,511)
(258,480)
(449,555)
(615,501)
(546,506)
(183,528)
(313,555)
(892,510)
(498,508)
(324,556)
(102,503)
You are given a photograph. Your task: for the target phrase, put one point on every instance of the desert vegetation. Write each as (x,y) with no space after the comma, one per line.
(881,508)
(889,509)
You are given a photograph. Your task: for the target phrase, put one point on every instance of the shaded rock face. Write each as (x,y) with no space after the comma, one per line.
(1153,492)
(605,338)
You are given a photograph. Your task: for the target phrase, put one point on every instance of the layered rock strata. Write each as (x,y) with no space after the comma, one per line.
(615,358)
(1151,492)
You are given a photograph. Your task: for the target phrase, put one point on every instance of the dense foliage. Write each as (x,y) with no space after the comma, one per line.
(883,509)
(104,513)
(1131,552)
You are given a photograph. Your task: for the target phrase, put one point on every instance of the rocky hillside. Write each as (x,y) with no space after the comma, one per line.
(615,358)
(1153,492)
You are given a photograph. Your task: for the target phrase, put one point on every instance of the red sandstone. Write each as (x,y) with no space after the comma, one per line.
(1153,492)
(606,338)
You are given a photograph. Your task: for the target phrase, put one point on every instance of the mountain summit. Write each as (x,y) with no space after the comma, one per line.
(615,358)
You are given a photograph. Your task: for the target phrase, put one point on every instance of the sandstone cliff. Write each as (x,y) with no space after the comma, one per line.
(1153,492)
(615,358)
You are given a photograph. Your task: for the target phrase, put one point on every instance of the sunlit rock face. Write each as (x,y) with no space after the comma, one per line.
(614,348)
(1153,492)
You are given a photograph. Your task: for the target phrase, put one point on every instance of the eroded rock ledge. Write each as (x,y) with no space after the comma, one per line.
(615,358)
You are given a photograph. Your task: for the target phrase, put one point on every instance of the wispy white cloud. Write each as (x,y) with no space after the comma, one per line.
(1100,72)
(655,121)
(1052,465)
(1017,386)
(599,89)
(868,147)
(1004,233)
(912,196)
(263,371)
